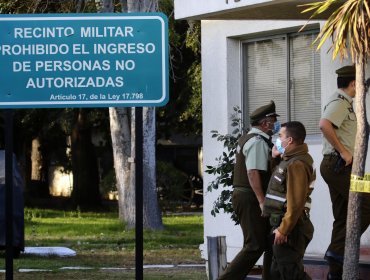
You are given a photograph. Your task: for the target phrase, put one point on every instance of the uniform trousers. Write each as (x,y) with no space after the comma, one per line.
(287,261)
(339,184)
(256,231)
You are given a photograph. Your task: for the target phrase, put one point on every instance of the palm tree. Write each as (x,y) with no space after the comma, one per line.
(348,27)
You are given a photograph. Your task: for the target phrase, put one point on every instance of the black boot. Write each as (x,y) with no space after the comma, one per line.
(332,276)
(335,263)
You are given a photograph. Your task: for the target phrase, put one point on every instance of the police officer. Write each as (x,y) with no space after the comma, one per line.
(287,203)
(338,125)
(250,179)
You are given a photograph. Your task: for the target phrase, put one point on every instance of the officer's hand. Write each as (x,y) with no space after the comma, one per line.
(347,157)
(263,214)
(261,207)
(279,238)
(274,152)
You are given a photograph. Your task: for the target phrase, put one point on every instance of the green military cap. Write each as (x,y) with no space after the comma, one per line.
(263,112)
(347,71)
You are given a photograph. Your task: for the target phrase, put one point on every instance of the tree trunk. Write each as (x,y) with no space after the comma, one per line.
(85,193)
(119,119)
(99,5)
(152,216)
(79,5)
(36,160)
(146,6)
(107,6)
(121,143)
(122,130)
(353,234)
(124,6)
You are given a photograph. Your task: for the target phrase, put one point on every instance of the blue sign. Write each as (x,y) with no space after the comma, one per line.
(83,60)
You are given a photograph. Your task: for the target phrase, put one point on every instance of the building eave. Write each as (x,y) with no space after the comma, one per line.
(254,10)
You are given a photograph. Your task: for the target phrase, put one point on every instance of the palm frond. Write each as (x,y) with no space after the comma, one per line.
(348,27)
(311,6)
(366,5)
(317,7)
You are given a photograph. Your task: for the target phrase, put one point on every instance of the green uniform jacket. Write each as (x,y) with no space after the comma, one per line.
(258,153)
(340,113)
(298,180)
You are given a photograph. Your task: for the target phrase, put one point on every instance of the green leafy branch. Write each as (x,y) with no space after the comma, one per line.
(223,170)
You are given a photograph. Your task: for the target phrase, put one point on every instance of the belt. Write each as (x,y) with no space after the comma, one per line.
(331,155)
(243,189)
(306,213)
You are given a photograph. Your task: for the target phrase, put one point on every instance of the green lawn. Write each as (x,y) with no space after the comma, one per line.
(101,241)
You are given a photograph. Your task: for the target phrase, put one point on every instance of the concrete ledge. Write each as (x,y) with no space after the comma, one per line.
(159,266)
(49,251)
(317,267)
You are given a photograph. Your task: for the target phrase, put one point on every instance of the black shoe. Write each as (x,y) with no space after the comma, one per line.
(332,257)
(332,276)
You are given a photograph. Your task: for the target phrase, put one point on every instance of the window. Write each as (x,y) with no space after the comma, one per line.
(285,69)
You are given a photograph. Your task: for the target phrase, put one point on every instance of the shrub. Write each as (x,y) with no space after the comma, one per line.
(108,183)
(225,165)
(170,185)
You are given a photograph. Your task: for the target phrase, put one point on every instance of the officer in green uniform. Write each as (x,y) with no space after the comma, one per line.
(287,203)
(338,125)
(250,179)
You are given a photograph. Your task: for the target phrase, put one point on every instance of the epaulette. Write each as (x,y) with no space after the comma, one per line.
(267,141)
(350,109)
(341,97)
(345,99)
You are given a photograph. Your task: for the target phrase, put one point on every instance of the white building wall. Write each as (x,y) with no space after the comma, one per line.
(222,89)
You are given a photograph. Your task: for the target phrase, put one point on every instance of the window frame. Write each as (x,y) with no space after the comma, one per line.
(283,34)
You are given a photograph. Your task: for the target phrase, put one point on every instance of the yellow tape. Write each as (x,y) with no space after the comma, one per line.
(360,184)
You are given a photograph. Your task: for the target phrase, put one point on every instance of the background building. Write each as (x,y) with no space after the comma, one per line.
(247,62)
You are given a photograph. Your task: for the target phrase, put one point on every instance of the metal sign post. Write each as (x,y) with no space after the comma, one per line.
(8,116)
(139,247)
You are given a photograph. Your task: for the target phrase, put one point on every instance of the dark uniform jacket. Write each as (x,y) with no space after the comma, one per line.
(292,178)
(240,174)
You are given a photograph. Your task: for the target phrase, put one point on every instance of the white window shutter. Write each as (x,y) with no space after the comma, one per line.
(266,75)
(305,102)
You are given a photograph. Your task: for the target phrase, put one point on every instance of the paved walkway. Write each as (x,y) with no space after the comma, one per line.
(66,252)
(152,266)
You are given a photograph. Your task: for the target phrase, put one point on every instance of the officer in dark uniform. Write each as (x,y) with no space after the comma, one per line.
(287,203)
(251,175)
(339,125)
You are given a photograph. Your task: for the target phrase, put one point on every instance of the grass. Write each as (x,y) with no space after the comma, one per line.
(101,241)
